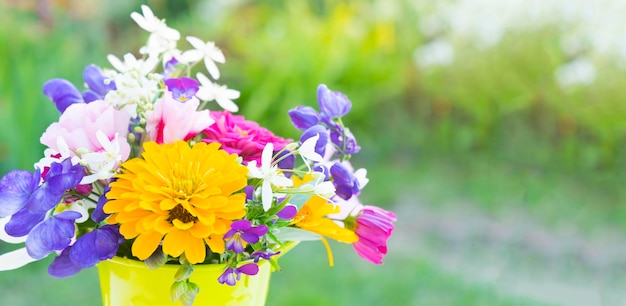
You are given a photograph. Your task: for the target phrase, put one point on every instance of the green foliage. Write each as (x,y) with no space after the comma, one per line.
(278,53)
(36,50)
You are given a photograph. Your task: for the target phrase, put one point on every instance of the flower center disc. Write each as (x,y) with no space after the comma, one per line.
(180,213)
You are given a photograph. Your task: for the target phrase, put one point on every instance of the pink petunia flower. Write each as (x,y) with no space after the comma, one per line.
(78,126)
(171,120)
(240,136)
(374,226)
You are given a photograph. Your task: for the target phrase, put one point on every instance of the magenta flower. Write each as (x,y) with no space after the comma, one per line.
(373,227)
(242,137)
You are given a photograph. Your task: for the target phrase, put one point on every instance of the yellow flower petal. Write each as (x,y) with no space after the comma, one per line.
(146,244)
(216,243)
(182,226)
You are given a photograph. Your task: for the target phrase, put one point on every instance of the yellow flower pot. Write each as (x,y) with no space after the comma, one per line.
(126,282)
(130,282)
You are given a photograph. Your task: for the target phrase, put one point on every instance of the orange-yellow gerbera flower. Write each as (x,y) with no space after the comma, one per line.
(180,195)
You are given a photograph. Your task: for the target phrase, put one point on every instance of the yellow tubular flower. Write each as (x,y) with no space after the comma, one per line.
(312,217)
(179,195)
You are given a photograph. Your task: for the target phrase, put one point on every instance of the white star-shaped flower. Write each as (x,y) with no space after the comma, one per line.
(154,25)
(207,51)
(102,165)
(269,174)
(132,63)
(223,95)
(307,149)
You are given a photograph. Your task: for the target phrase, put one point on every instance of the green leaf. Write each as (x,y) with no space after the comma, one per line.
(183,272)
(299,199)
(295,234)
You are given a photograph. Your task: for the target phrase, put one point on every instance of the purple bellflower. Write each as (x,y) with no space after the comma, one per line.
(232,275)
(333,104)
(27,201)
(87,251)
(287,161)
(320,146)
(97,83)
(242,231)
(98,215)
(304,117)
(16,188)
(53,234)
(182,89)
(345,183)
(344,141)
(63,93)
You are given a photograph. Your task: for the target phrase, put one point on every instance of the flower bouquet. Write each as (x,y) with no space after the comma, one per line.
(137,167)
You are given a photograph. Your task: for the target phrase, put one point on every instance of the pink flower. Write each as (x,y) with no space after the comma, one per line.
(242,137)
(79,124)
(171,120)
(373,227)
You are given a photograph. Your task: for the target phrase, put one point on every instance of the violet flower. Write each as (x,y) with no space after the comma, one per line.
(232,275)
(345,183)
(320,145)
(183,88)
(27,201)
(169,67)
(242,231)
(288,212)
(98,84)
(344,141)
(63,93)
(287,161)
(95,246)
(374,226)
(53,234)
(98,215)
(16,190)
(333,104)
(87,251)
(266,254)
(249,191)
(304,117)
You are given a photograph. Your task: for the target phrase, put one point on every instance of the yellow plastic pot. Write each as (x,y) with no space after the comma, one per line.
(129,282)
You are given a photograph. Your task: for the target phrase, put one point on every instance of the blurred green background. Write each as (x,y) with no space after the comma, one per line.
(494,129)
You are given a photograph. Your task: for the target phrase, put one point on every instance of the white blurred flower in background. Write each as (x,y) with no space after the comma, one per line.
(577,72)
(438,52)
